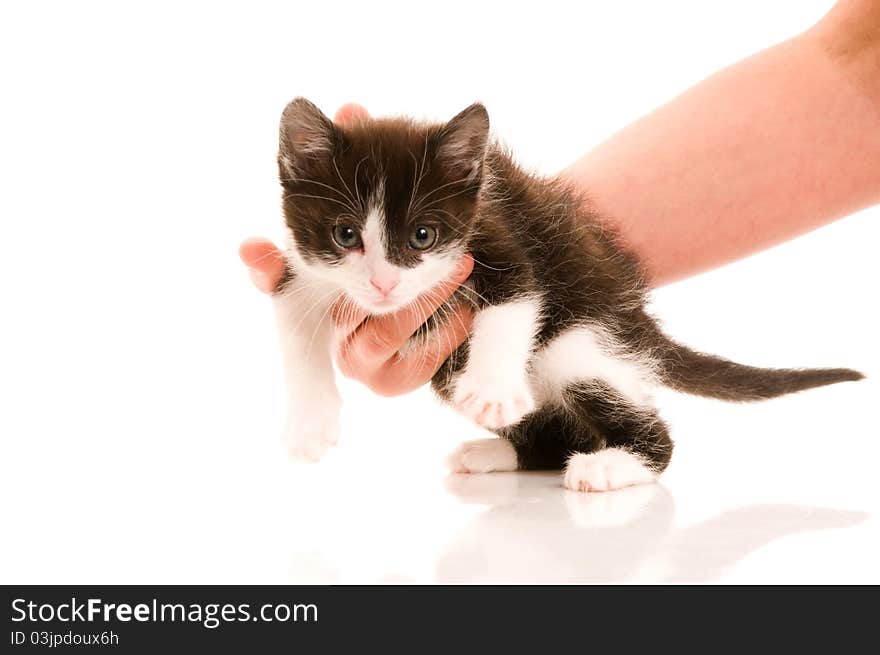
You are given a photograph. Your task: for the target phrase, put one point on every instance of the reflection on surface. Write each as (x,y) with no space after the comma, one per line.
(537,532)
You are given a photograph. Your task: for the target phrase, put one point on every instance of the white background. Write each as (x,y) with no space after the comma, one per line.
(140,388)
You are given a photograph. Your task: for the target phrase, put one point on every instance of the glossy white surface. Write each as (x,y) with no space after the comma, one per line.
(140,388)
(183,478)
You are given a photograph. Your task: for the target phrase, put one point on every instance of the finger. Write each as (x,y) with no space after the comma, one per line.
(265,260)
(263,283)
(378,338)
(399,376)
(258,252)
(350,112)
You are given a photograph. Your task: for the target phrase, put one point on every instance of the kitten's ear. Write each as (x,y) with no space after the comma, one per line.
(306,135)
(462,141)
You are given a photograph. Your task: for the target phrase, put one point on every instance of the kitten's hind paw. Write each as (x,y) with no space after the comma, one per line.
(605,470)
(491,405)
(483,456)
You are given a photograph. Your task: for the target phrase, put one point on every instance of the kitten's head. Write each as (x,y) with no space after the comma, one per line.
(382,208)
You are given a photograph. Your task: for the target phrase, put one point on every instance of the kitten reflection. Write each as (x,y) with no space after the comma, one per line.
(533,533)
(558,537)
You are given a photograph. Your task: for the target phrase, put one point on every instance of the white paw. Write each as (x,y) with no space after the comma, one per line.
(309,434)
(483,456)
(611,468)
(493,404)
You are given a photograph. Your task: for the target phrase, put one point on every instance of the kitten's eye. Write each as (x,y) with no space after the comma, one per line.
(423,237)
(346,236)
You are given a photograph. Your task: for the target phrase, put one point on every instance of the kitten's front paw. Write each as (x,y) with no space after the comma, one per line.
(493,404)
(309,435)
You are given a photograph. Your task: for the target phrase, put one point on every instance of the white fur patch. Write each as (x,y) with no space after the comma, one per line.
(494,388)
(483,456)
(587,352)
(605,470)
(374,233)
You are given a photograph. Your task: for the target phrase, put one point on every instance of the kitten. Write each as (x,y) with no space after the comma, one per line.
(563,354)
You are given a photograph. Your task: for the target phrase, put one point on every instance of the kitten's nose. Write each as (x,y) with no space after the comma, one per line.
(385,283)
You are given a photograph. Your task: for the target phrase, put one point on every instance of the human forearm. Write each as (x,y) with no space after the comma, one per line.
(767,149)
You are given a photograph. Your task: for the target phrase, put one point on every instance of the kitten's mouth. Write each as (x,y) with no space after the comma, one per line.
(384,305)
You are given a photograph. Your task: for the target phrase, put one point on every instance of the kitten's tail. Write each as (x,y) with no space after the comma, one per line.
(700,374)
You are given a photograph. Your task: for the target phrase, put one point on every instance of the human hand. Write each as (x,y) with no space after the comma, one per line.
(367,346)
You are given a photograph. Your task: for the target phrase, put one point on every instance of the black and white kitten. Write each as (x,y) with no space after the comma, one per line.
(562,357)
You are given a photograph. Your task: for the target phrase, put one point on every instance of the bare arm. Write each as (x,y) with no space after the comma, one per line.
(769,148)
